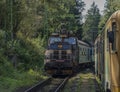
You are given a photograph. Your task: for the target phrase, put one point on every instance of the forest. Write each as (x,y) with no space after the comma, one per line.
(25,26)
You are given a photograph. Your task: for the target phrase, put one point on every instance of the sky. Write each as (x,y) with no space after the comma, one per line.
(100,4)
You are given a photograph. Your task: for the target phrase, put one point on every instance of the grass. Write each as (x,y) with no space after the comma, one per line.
(20,79)
(79,81)
(12,78)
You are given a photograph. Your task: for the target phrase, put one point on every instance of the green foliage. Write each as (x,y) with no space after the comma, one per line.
(101,23)
(110,7)
(90,27)
(61,11)
(32,52)
(19,79)
(5,66)
(24,28)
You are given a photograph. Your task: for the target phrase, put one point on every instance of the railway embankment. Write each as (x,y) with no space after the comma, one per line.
(84,81)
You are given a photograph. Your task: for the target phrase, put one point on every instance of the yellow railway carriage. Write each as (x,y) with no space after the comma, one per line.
(110,55)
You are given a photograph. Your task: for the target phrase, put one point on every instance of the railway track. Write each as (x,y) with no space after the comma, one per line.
(49,85)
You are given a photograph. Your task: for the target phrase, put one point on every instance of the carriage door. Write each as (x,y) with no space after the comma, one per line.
(114,58)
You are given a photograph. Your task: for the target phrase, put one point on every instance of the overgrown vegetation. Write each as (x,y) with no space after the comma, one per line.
(110,7)
(91,23)
(24,28)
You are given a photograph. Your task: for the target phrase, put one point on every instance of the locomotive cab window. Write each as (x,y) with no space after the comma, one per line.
(112,36)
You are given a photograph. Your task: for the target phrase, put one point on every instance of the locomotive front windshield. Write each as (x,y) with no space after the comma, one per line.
(54,40)
(70,40)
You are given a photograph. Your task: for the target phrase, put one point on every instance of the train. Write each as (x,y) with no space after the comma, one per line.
(86,54)
(64,53)
(107,54)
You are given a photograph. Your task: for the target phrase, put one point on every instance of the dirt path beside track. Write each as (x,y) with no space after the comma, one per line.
(84,81)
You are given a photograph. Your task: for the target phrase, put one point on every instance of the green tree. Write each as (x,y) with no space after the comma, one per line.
(57,12)
(79,17)
(90,27)
(26,24)
(110,7)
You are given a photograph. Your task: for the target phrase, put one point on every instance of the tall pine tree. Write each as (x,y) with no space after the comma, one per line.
(90,27)
(79,17)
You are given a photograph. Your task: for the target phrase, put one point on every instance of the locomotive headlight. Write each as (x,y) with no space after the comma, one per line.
(47,56)
(69,52)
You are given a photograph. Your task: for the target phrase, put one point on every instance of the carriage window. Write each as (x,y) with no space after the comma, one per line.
(110,38)
(114,35)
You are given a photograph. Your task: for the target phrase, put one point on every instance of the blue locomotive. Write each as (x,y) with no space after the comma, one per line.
(64,54)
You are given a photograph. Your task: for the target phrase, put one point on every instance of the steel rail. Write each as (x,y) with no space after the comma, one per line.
(59,88)
(36,87)
(42,84)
